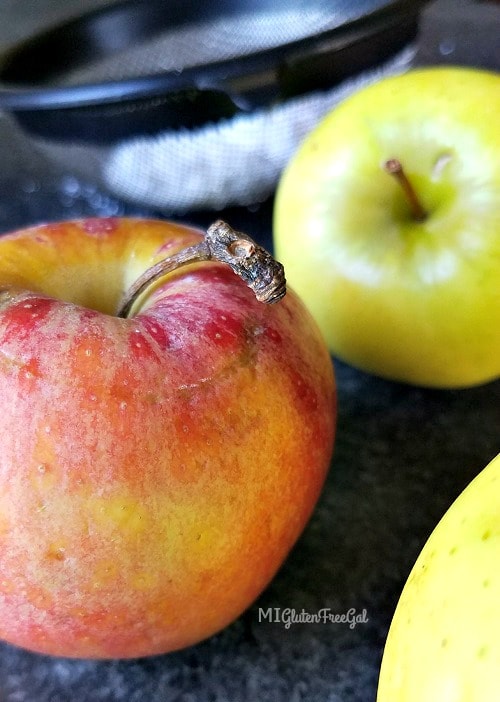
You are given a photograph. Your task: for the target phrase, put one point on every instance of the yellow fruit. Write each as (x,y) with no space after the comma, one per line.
(444,640)
(411,299)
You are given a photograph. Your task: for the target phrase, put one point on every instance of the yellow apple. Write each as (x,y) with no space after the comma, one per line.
(444,640)
(403,285)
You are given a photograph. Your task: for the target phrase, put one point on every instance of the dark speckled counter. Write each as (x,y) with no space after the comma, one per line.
(402,455)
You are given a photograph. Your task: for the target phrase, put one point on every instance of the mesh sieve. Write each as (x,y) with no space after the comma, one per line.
(182,106)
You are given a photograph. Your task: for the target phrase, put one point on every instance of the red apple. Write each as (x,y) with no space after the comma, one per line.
(156,470)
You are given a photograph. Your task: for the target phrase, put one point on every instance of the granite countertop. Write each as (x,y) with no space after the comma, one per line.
(402,455)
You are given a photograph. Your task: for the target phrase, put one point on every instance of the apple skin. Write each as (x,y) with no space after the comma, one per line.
(417,302)
(154,471)
(444,640)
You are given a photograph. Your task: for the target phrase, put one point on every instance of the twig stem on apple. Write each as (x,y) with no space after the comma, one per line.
(260,271)
(394,167)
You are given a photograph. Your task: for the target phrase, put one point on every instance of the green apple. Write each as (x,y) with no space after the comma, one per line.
(402,270)
(444,640)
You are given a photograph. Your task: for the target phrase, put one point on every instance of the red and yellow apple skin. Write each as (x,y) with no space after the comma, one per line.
(154,471)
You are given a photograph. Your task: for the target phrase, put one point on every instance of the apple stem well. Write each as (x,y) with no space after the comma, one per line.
(260,271)
(393,167)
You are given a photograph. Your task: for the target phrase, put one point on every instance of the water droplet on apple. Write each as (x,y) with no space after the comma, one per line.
(92,397)
(273,335)
(27,306)
(47,429)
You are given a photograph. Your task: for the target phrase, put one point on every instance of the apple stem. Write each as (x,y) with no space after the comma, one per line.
(259,270)
(394,168)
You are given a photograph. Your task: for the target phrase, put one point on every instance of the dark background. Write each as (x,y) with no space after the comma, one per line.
(402,455)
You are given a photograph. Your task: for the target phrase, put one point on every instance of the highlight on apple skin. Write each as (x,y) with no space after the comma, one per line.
(387,222)
(155,471)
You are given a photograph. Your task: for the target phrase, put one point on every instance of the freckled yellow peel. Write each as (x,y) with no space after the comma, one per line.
(444,640)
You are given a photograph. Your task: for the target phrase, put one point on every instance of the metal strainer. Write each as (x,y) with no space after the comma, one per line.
(145,74)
